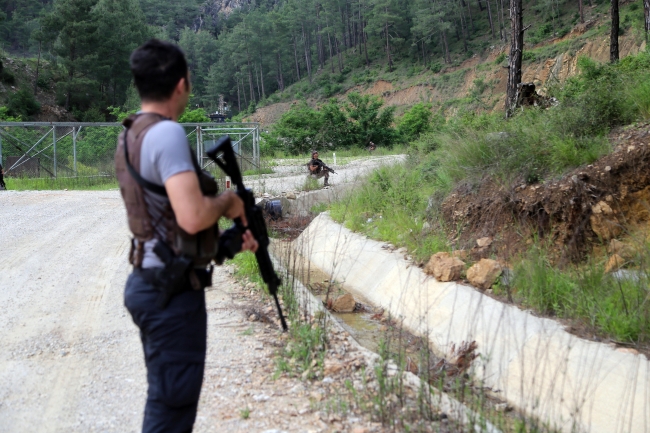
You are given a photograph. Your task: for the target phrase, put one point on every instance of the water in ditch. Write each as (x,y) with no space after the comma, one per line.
(368,324)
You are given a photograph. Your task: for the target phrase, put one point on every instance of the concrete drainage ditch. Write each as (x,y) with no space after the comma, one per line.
(532,363)
(365,334)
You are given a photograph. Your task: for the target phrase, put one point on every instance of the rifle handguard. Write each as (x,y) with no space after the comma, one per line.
(223,155)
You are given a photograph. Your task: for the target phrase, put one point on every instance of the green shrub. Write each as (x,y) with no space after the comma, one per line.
(352,124)
(43,82)
(22,103)
(500,58)
(6,117)
(7,77)
(391,205)
(436,67)
(415,122)
(529,56)
(615,306)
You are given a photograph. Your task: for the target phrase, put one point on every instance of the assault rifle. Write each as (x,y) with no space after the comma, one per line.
(322,165)
(231,240)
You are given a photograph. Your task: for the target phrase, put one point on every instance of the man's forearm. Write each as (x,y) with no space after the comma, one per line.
(213,208)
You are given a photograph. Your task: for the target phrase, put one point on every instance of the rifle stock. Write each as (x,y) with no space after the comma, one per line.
(223,155)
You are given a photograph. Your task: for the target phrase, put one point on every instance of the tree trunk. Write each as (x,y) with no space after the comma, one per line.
(338,53)
(443,37)
(243,92)
(257,79)
(295,56)
(307,51)
(319,40)
(250,77)
(38,64)
(504,33)
(390,61)
(582,11)
(262,79)
(613,39)
(347,16)
(469,13)
(480,6)
(343,34)
(238,97)
(646,11)
(279,72)
(365,44)
(463,29)
(489,9)
(329,41)
(516,54)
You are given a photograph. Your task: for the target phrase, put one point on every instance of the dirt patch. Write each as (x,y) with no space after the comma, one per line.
(589,205)
(289,228)
(270,114)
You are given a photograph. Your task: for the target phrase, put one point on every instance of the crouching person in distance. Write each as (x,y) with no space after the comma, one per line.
(172,208)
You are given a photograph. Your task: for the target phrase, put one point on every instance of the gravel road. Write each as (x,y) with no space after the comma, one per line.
(71,360)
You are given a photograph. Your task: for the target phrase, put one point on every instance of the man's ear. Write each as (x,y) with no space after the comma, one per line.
(181,86)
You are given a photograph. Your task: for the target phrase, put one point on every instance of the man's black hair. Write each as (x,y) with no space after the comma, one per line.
(157,67)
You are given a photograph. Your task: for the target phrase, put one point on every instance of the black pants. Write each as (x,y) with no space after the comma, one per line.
(174,343)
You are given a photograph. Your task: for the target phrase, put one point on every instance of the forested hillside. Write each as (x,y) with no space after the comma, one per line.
(246,50)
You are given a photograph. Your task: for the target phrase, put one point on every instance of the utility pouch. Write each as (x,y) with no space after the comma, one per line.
(175,277)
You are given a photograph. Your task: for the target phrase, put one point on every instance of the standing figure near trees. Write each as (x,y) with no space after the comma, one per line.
(172,208)
(318,169)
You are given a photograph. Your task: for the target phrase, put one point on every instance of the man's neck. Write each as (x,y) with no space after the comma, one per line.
(163,108)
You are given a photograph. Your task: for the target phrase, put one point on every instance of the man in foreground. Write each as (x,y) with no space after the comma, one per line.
(318,169)
(172,209)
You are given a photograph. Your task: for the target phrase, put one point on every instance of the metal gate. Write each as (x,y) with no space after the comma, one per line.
(75,149)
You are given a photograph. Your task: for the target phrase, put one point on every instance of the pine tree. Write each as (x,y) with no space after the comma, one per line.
(76,42)
(385,19)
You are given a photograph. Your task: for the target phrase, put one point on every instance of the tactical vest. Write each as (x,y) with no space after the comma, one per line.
(201,247)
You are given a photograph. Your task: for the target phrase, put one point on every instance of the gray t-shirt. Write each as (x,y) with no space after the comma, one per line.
(165,152)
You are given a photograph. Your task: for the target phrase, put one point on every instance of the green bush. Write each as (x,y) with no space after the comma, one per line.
(415,122)
(391,205)
(43,82)
(7,77)
(22,103)
(615,306)
(335,126)
(436,67)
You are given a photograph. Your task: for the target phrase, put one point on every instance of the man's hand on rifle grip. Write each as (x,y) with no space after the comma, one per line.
(236,208)
(248,242)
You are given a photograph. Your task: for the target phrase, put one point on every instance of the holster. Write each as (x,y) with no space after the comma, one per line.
(179,274)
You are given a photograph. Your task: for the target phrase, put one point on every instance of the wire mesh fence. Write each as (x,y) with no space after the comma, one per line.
(71,150)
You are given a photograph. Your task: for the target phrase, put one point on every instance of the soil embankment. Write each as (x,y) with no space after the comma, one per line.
(587,206)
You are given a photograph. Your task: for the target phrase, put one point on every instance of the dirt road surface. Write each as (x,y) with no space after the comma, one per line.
(71,359)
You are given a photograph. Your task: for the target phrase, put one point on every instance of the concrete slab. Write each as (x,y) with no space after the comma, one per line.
(533,363)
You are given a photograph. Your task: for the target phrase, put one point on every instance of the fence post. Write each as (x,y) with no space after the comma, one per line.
(74,150)
(0,149)
(198,144)
(54,147)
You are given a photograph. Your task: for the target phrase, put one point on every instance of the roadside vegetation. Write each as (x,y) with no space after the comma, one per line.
(401,204)
(379,390)
(93,183)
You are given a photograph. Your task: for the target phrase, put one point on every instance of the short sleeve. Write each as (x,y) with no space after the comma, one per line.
(165,152)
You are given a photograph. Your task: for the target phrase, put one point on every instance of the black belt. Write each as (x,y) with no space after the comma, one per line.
(197,279)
